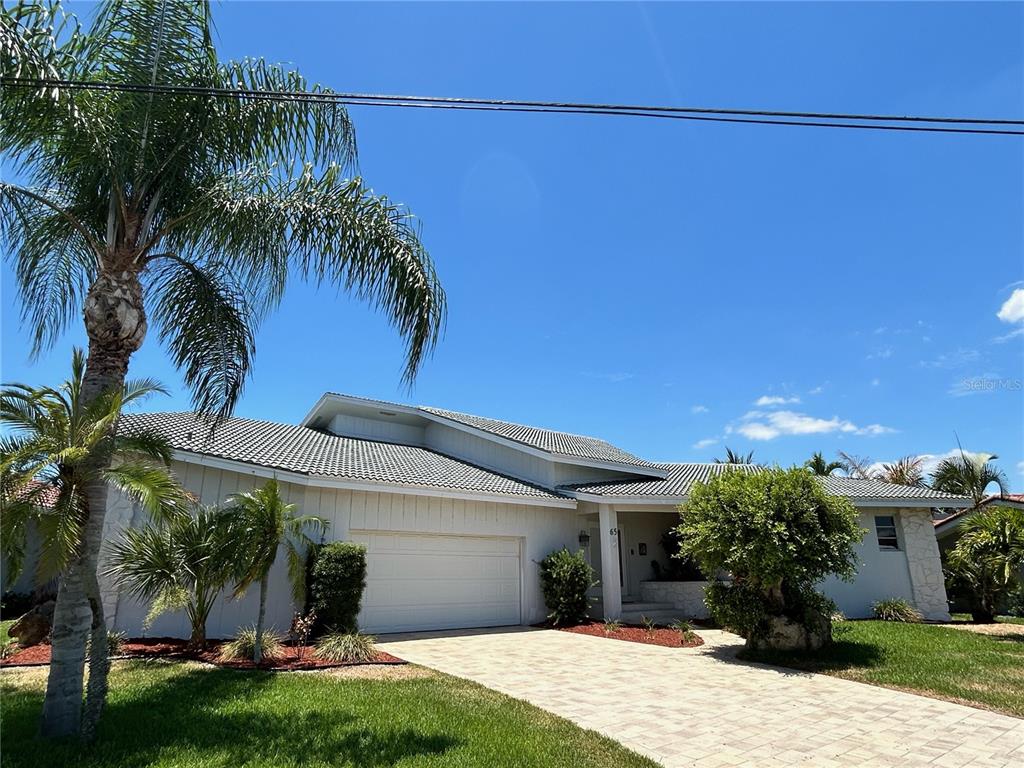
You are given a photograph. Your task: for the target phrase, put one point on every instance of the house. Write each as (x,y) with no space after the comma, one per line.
(947,525)
(457,510)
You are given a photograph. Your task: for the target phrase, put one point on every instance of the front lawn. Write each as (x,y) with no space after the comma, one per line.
(981,670)
(164,714)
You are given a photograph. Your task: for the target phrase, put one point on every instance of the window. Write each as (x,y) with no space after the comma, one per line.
(885,529)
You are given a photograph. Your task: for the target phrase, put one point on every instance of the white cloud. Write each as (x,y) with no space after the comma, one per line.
(880,354)
(816,391)
(956,359)
(1020,467)
(1012,310)
(707,442)
(758,425)
(876,382)
(1007,337)
(775,400)
(699,409)
(930,461)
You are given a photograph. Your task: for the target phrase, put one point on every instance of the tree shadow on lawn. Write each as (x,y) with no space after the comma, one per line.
(214,716)
(840,655)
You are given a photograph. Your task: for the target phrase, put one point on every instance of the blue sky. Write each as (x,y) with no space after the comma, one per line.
(650,281)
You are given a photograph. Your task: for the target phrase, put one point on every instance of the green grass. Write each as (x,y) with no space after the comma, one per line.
(168,714)
(981,670)
(6,639)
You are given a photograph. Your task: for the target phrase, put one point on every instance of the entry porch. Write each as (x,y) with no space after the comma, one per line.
(629,549)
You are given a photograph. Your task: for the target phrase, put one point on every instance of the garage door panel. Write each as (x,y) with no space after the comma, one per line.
(420,581)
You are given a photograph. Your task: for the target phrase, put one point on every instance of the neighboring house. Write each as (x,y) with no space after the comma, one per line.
(947,526)
(26,581)
(457,510)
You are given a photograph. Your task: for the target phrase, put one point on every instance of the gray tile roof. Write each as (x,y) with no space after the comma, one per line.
(310,452)
(681,478)
(563,443)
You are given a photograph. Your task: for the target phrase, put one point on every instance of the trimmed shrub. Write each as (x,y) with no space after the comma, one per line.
(244,644)
(346,648)
(337,581)
(896,609)
(565,578)
(777,533)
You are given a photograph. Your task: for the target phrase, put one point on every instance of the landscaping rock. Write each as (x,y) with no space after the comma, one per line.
(784,634)
(34,627)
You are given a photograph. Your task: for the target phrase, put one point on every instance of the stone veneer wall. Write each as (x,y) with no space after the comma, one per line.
(686,596)
(924,563)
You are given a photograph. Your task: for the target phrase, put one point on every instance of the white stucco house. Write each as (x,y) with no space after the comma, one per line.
(457,510)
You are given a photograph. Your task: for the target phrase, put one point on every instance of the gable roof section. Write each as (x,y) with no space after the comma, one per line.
(309,452)
(681,478)
(551,441)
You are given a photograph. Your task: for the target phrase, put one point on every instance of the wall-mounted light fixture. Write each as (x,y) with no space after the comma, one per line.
(584,539)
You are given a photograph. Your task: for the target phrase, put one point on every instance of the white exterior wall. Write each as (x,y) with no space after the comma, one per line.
(376,429)
(489,454)
(912,572)
(542,529)
(642,528)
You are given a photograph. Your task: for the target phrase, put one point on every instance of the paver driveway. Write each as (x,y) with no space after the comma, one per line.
(695,707)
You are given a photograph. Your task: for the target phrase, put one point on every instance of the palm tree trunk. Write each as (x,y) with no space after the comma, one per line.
(116,325)
(257,647)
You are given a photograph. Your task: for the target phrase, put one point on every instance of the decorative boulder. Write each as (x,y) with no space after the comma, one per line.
(34,627)
(784,634)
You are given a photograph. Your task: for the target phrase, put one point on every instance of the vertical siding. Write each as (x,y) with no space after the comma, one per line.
(542,530)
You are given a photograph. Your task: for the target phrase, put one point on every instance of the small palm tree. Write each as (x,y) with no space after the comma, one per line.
(57,446)
(819,466)
(735,458)
(186,211)
(988,558)
(968,474)
(179,564)
(264,523)
(904,471)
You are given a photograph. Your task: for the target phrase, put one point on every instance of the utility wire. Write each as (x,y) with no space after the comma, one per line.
(704,114)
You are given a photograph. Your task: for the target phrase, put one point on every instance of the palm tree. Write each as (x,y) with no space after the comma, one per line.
(183,209)
(819,466)
(735,458)
(58,446)
(264,523)
(858,467)
(968,474)
(180,564)
(904,471)
(988,558)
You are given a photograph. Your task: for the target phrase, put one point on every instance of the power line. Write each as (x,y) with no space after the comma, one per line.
(701,114)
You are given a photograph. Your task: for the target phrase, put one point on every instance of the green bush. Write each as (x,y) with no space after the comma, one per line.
(346,647)
(337,581)
(244,644)
(565,578)
(896,609)
(778,533)
(1015,603)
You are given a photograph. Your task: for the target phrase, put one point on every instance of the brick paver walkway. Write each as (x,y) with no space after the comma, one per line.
(699,708)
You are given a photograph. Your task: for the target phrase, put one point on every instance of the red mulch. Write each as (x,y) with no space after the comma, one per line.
(670,638)
(175,648)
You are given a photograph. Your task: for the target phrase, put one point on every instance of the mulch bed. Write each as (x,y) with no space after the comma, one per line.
(670,638)
(292,658)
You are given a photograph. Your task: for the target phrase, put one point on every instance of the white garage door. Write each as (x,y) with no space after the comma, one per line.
(417,581)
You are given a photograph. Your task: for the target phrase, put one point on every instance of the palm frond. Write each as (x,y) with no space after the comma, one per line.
(331,230)
(151,486)
(208,325)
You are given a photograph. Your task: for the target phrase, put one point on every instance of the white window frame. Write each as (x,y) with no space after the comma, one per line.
(895,537)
